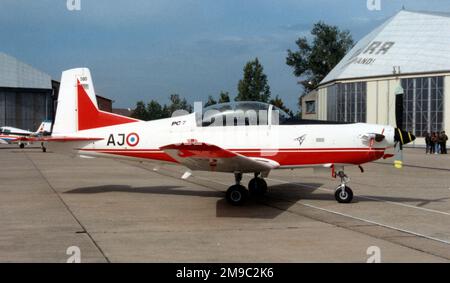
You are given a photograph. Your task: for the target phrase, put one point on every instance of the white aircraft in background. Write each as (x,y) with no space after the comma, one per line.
(248,142)
(11,135)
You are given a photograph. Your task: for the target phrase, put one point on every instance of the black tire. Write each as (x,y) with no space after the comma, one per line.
(257,187)
(44,149)
(21,145)
(237,195)
(345,196)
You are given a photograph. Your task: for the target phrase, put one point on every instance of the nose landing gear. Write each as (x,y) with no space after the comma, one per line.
(343,193)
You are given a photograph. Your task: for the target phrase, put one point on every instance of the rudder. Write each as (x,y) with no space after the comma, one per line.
(77,107)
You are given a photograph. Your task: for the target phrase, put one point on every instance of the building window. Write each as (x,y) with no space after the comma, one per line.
(351,102)
(310,107)
(423,105)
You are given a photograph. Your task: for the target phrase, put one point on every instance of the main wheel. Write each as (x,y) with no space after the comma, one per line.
(257,187)
(21,145)
(344,196)
(237,195)
(44,149)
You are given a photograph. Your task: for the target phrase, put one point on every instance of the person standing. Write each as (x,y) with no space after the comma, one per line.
(427,143)
(443,142)
(438,143)
(433,143)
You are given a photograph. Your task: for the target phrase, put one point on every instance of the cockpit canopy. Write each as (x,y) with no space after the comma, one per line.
(242,113)
(4,130)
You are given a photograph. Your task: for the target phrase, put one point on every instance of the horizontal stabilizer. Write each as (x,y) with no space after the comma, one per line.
(58,139)
(5,139)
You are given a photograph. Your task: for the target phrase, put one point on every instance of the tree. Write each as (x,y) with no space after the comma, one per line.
(176,103)
(140,112)
(224,97)
(254,85)
(211,101)
(280,104)
(314,60)
(155,110)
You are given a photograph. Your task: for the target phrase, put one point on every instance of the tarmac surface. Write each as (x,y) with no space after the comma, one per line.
(126,211)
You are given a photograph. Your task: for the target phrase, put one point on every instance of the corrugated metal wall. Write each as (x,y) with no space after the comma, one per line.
(25,109)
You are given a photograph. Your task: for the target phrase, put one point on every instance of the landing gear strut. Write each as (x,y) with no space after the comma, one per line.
(257,186)
(343,193)
(237,194)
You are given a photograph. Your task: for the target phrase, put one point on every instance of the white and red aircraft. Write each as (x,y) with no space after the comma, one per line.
(201,141)
(11,135)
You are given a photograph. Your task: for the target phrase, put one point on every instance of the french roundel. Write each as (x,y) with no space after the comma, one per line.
(132,139)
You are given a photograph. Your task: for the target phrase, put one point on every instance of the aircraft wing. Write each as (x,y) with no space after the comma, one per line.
(207,157)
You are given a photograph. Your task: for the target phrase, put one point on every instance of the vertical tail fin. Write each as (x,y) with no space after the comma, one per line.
(45,127)
(77,107)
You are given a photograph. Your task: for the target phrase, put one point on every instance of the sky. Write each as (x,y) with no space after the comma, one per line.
(149,49)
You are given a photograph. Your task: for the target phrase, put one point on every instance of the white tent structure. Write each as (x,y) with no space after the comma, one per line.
(412,50)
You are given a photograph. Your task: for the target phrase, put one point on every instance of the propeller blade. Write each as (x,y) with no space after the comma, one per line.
(401,137)
(399,106)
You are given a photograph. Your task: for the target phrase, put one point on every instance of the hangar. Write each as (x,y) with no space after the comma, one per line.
(410,50)
(28,96)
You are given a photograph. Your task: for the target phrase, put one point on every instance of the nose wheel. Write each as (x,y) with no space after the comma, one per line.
(343,193)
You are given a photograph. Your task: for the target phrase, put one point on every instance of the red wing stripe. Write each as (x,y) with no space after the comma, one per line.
(284,158)
(362,149)
(201,150)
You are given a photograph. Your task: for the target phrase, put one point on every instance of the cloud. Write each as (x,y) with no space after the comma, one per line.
(297,26)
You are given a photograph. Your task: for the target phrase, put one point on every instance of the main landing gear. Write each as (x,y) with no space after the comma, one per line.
(257,186)
(343,193)
(238,194)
